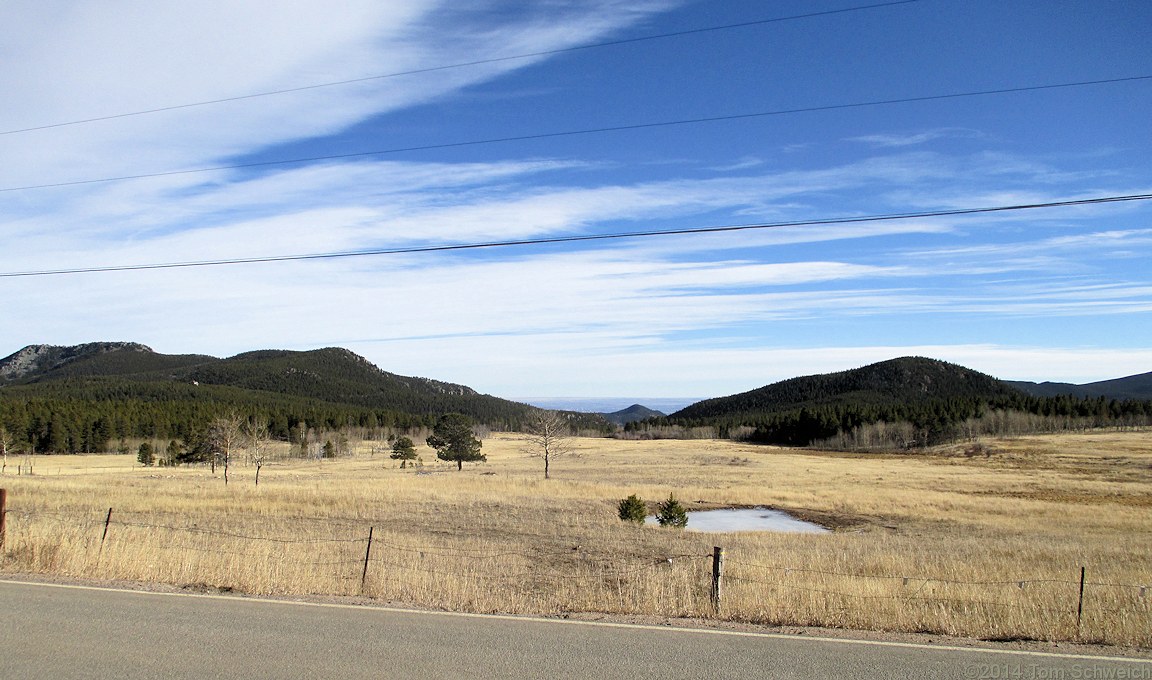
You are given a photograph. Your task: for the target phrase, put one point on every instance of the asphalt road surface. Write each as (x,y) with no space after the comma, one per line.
(62,632)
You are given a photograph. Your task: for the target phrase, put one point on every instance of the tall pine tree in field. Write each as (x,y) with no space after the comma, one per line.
(403,450)
(145,455)
(454,440)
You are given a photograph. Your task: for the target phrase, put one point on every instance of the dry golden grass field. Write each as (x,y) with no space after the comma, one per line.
(984,541)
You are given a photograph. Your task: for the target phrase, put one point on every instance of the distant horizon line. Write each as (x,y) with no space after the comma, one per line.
(608,404)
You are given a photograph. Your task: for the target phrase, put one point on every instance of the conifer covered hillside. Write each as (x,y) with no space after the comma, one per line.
(78,398)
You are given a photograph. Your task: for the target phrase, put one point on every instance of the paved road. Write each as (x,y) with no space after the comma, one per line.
(49,631)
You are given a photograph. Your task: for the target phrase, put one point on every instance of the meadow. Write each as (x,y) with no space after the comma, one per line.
(984,539)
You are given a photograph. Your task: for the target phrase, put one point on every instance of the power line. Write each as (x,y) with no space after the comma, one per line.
(446,67)
(589,237)
(585,131)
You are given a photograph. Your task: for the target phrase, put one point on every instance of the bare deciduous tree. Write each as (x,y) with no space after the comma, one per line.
(225,435)
(5,444)
(549,436)
(256,439)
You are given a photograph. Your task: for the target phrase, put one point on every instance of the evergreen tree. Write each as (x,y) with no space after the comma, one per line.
(453,440)
(145,455)
(672,514)
(175,452)
(403,450)
(632,509)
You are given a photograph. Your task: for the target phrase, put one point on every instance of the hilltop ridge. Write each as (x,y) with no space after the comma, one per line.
(41,360)
(1131,387)
(79,398)
(900,380)
(76,398)
(900,403)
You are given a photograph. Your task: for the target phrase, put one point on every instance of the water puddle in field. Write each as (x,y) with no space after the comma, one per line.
(747,519)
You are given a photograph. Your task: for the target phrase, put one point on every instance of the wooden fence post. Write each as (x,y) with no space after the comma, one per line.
(107,521)
(717,570)
(367,554)
(1080,604)
(3,515)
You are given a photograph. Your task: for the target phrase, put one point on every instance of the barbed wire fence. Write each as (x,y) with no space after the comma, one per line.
(720,583)
(1066,601)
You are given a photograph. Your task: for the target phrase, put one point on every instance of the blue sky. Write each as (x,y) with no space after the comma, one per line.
(1053,294)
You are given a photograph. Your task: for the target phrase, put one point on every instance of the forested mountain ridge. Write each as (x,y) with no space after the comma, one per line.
(81,398)
(906,380)
(37,363)
(1131,387)
(631,414)
(85,398)
(329,374)
(900,403)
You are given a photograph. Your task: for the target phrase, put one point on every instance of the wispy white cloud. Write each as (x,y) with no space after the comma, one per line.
(577,303)
(915,139)
(592,319)
(339,207)
(746,163)
(1096,240)
(158,55)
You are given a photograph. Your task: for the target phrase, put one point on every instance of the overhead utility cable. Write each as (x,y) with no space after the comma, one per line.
(446,67)
(591,237)
(586,131)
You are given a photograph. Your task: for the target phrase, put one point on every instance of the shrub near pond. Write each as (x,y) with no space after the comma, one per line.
(672,514)
(632,509)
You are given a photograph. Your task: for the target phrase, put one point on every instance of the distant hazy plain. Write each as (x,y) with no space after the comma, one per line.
(609,404)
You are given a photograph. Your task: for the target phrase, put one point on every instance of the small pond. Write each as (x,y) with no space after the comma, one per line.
(747,519)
